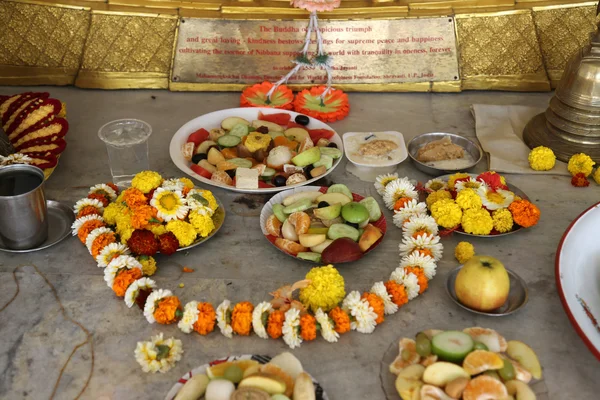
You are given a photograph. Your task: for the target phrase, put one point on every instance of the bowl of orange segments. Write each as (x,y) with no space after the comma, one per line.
(475,363)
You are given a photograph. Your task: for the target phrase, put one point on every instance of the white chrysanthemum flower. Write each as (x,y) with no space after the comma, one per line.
(134,289)
(427,243)
(175,351)
(152,357)
(145,355)
(364,316)
(426,263)
(382,180)
(151,301)
(471,183)
(398,275)
(111,251)
(351,300)
(97,204)
(224,318)
(388,305)
(291,327)
(436,184)
(396,190)
(494,200)
(89,241)
(15,158)
(170,205)
(411,284)
(409,210)
(327,330)
(257,319)
(420,223)
(110,272)
(190,316)
(173,185)
(103,188)
(80,221)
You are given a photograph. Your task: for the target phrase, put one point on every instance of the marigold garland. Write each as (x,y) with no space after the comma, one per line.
(275,324)
(89,210)
(125,278)
(101,242)
(102,198)
(341,320)
(308,327)
(207,319)
(87,228)
(377,304)
(241,318)
(168,310)
(421,278)
(397,292)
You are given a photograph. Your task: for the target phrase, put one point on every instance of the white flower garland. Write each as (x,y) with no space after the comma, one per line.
(291,324)
(327,330)
(222,310)
(257,324)
(150,305)
(133,290)
(190,316)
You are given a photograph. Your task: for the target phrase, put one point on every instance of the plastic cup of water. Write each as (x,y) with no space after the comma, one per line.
(126,142)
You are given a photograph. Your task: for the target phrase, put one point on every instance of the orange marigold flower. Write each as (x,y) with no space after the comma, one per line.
(401,202)
(125,278)
(185,191)
(397,292)
(241,318)
(421,278)
(377,304)
(308,327)
(88,227)
(101,242)
(102,198)
(341,320)
(421,232)
(580,180)
(206,319)
(424,252)
(88,210)
(134,198)
(142,215)
(168,310)
(524,213)
(275,324)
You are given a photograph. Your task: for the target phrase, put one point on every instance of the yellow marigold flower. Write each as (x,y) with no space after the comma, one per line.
(596,177)
(326,289)
(183,231)
(446,213)
(257,141)
(212,202)
(203,224)
(468,199)
(477,222)
(187,183)
(452,179)
(436,196)
(112,211)
(580,163)
(503,220)
(464,251)
(125,234)
(542,159)
(157,229)
(148,265)
(145,181)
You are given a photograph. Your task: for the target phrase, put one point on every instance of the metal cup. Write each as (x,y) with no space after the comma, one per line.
(23,213)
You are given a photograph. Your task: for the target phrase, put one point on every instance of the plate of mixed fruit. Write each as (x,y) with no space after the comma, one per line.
(318,224)
(256,150)
(475,363)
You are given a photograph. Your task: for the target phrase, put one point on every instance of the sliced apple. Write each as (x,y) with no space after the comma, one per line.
(328,213)
(297,134)
(321,247)
(272,127)
(520,390)
(455,388)
(369,237)
(289,232)
(301,195)
(430,392)
(215,156)
(440,373)
(307,157)
(334,198)
(409,381)
(311,240)
(492,339)
(525,356)
(229,122)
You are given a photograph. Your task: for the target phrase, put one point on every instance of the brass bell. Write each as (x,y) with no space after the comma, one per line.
(571,123)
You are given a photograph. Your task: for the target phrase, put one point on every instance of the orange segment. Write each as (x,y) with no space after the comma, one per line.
(480,361)
(273,226)
(218,370)
(407,355)
(229,153)
(301,221)
(289,247)
(281,141)
(485,388)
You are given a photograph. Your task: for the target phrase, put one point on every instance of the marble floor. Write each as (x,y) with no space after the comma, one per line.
(57,316)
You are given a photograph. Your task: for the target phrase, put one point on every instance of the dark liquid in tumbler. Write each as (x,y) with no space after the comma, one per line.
(19,182)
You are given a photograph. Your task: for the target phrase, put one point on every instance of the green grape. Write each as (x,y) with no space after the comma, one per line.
(492,374)
(234,374)
(423,345)
(507,372)
(480,346)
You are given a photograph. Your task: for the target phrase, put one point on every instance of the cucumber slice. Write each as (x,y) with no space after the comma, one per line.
(204,146)
(229,141)
(337,231)
(315,257)
(268,173)
(331,152)
(325,160)
(241,130)
(241,162)
(300,205)
(278,211)
(372,207)
(452,346)
(340,188)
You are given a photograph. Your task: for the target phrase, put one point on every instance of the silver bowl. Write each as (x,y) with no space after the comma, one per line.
(417,142)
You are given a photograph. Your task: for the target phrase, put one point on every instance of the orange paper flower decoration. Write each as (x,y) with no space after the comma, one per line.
(256,96)
(334,107)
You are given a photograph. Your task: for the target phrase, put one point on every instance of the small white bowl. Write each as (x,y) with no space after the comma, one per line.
(399,139)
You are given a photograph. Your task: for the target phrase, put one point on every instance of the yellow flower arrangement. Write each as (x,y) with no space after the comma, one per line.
(436,196)
(468,199)
(187,183)
(148,265)
(157,229)
(183,231)
(503,220)
(542,159)
(477,221)
(207,194)
(464,251)
(326,289)
(580,163)
(446,213)
(112,211)
(452,179)
(203,224)
(145,181)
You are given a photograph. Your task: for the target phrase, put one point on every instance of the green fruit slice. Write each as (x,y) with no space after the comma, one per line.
(315,257)
(330,212)
(507,372)
(278,211)
(324,160)
(308,157)
(452,346)
(339,188)
(331,152)
(300,205)
(423,345)
(234,374)
(355,213)
(372,207)
(337,231)
(480,346)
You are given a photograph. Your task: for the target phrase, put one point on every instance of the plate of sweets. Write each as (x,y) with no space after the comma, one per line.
(246,377)
(475,363)
(328,225)
(256,150)
(483,205)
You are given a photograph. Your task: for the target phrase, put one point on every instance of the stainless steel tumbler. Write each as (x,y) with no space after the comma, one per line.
(23,213)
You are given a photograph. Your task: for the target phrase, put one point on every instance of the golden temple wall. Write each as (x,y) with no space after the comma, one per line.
(115,44)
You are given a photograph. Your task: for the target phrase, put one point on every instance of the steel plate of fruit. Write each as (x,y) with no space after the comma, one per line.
(469,364)
(329,225)
(244,360)
(513,189)
(256,150)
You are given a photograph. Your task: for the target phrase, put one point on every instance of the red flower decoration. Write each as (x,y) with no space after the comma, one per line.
(493,180)
(143,242)
(168,243)
(580,180)
(256,96)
